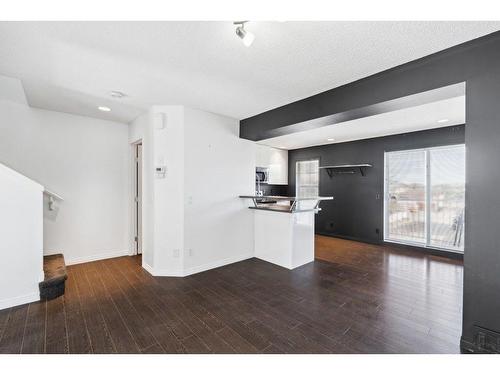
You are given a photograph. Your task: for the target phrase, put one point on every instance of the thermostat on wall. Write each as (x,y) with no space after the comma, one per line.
(160,172)
(162,123)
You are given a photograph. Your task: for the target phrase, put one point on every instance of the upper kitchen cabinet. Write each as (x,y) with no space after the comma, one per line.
(276,161)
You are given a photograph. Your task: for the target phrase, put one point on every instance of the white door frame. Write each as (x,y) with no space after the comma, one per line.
(137,183)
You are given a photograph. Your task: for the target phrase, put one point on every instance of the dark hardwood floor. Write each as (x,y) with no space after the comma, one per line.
(355,298)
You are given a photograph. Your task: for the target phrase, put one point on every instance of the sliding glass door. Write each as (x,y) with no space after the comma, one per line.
(425,197)
(405,205)
(447,197)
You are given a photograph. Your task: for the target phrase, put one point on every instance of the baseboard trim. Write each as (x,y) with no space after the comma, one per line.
(148,268)
(92,258)
(161,272)
(197,269)
(167,273)
(20,300)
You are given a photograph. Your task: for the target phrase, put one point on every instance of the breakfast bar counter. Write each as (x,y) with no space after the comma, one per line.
(284,228)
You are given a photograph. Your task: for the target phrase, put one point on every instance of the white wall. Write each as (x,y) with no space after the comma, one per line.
(168,214)
(193,218)
(219,166)
(21,249)
(86,161)
(11,89)
(136,128)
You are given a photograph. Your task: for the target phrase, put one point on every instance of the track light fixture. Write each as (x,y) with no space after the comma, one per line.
(246,36)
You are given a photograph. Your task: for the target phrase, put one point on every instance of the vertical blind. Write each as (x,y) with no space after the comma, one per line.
(425,197)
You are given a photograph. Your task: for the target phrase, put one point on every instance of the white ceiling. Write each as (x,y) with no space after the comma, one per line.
(72,66)
(396,122)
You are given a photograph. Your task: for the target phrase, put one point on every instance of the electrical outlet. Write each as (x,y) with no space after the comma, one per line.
(176,253)
(377,230)
(190,252)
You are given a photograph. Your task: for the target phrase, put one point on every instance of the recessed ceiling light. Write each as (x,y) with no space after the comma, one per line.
(116,94)
(281,147)
(330,139)
(443,120)
(246,36)
(104,109)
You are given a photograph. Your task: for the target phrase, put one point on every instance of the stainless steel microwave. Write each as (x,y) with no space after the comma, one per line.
(262,175)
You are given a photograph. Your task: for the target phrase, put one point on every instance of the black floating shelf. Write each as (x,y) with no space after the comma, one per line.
(346,169)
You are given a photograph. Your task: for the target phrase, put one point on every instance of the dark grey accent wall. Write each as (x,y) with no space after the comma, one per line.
(357,209)
(478,64)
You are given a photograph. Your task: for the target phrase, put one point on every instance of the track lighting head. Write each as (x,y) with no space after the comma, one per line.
(246,36)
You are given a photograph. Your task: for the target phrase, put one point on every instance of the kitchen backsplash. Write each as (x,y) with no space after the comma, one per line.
(273,189)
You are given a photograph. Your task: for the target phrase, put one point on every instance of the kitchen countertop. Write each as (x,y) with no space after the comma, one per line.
(285,198)
(269,203)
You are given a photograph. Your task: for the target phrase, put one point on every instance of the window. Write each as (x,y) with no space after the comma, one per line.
(425,197)
(307,178)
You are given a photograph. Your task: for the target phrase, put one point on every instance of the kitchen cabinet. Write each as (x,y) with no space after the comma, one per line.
(276,161)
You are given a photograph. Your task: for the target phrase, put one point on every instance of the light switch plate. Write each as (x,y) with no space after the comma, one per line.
(160,171)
